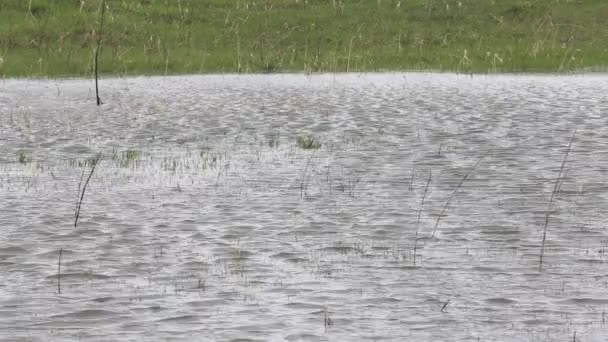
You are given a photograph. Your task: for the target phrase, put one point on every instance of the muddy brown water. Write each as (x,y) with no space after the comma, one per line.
(206,221)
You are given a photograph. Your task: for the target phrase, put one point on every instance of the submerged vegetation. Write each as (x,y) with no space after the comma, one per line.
(308,142)
(127,158)
(23,157)
(51,38)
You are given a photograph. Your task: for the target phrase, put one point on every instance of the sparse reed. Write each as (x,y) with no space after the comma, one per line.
(103,12)
(59,272)
(82,191)
(454,193)
(556,188)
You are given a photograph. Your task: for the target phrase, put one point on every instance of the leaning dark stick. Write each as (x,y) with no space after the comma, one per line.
(79,187)
(84,189)
(59,272)
(556,188)
(454,193)
(445,305)
(559,187)
(103,11)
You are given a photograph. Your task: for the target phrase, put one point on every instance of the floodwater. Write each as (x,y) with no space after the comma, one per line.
(205,220)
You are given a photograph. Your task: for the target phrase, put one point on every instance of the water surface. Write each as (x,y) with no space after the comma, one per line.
(206,221)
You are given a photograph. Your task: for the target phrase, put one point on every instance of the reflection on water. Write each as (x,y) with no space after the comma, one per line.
(205,220)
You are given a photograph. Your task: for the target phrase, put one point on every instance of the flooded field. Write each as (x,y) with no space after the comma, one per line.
(305,208)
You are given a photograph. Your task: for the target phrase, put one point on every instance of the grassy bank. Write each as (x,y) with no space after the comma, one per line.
(58,37)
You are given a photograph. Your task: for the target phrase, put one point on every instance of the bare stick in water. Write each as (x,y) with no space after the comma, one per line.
(79,188)
(556,187)
(454,193)
(84,189)
(59,272)
(445,305)
(103,11)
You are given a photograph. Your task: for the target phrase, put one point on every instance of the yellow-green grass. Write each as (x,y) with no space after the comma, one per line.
(41,38)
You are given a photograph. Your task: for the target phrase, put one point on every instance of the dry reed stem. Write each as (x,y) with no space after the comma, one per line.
(59,272)
(103,11)
(84,189)
(556,187)
(454,193)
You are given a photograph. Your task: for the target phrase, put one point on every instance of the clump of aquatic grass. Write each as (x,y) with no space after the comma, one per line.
(558,182)
(126,158)
(308,142)
(349,186)
(273,142)
(82,163)
(23,157)
(327,321)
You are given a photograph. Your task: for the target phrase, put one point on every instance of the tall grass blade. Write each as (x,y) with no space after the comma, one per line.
(103,12)
(59,272)
(84,189)
(454,193)
(556,187)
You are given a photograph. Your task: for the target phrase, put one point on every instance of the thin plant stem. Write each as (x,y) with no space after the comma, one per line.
(59,272)
(84,189)
(556,188)
(454,193)
(103,11)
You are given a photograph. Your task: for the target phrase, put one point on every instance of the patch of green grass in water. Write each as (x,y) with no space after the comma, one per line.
(23,157)
(128,158)
(58,37)
(308,142)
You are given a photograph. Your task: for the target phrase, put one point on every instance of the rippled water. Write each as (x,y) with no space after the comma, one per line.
(206,221)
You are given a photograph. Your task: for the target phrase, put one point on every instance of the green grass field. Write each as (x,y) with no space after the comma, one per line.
(58,37)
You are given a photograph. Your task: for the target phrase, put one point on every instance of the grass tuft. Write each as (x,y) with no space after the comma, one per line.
(558,182)
(23,157)
(308,142)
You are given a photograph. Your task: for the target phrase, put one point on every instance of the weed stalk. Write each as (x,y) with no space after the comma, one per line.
(84,189)
(556,187)
(454,193)
(59,272)
(103,11)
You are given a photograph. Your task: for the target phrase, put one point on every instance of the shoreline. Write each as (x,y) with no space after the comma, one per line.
(59,38)
(598,73)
